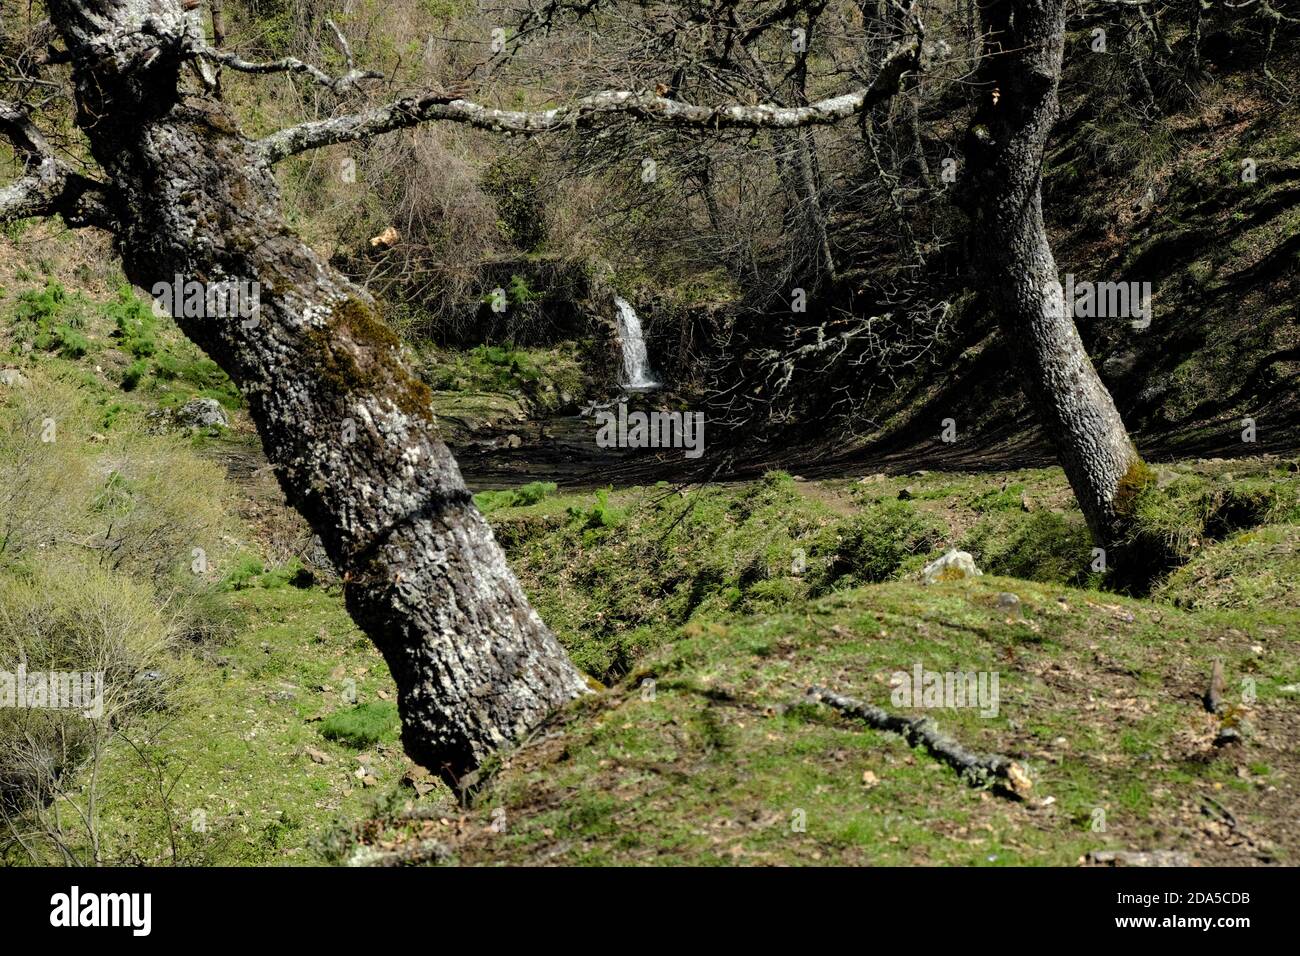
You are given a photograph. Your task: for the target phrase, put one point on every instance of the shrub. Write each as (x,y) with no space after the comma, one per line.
(134,375)
(74,617)
(157,503)
(598,515)
(1043,546)
(44,485)
(882,542)
(247,568)
(69,342)
(51,319)
(135,327)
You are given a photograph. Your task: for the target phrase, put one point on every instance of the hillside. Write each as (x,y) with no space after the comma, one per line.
(732,600)
(744,617)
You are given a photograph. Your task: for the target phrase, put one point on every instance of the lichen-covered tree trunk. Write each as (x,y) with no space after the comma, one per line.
(348,427)
(1013,260)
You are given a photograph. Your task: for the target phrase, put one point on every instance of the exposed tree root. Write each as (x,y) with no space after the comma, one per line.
(995,770)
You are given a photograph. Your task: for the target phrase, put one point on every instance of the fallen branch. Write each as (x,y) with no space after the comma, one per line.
(1002,773)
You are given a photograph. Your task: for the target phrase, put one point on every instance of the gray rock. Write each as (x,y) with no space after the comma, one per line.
(1009,604)
(953,566)
(11,378)
(202,413)
(1119,365)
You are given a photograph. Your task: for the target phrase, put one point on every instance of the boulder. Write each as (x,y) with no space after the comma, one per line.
(1008,603)
(953,566)
(202,413)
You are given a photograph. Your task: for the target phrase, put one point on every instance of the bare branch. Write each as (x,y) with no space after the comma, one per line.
(48,186)
(344,47)
(1003,773)
(435,106)
(291,64)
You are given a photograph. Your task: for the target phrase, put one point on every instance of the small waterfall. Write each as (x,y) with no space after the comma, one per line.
(636,363)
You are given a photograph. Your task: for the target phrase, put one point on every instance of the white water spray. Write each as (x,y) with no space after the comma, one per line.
(636,362)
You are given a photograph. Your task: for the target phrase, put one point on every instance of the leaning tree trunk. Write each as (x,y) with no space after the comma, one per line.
(1004,149)
(346,424)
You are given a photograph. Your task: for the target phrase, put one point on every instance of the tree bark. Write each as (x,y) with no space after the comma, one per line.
(348,427)
(218,10)
(1011,254)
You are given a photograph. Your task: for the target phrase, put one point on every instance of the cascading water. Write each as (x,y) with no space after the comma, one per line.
(636,363)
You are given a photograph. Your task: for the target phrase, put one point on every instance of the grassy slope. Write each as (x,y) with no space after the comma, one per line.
(230,750)
(699,591)
(247,751)
(1100,696)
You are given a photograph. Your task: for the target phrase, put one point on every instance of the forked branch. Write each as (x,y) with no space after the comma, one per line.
(291,64)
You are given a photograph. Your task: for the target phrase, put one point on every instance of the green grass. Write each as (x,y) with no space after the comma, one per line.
(362,725)
(239,750)
(135,348)
(719,761)
(522,497)
(546,378)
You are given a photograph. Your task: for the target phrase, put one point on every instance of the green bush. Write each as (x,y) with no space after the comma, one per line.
(599,515)
(1041,546)
(74,616)
(135,326)
(134,374)
(52,319)
(69,343)
(244,574)
(884,541)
